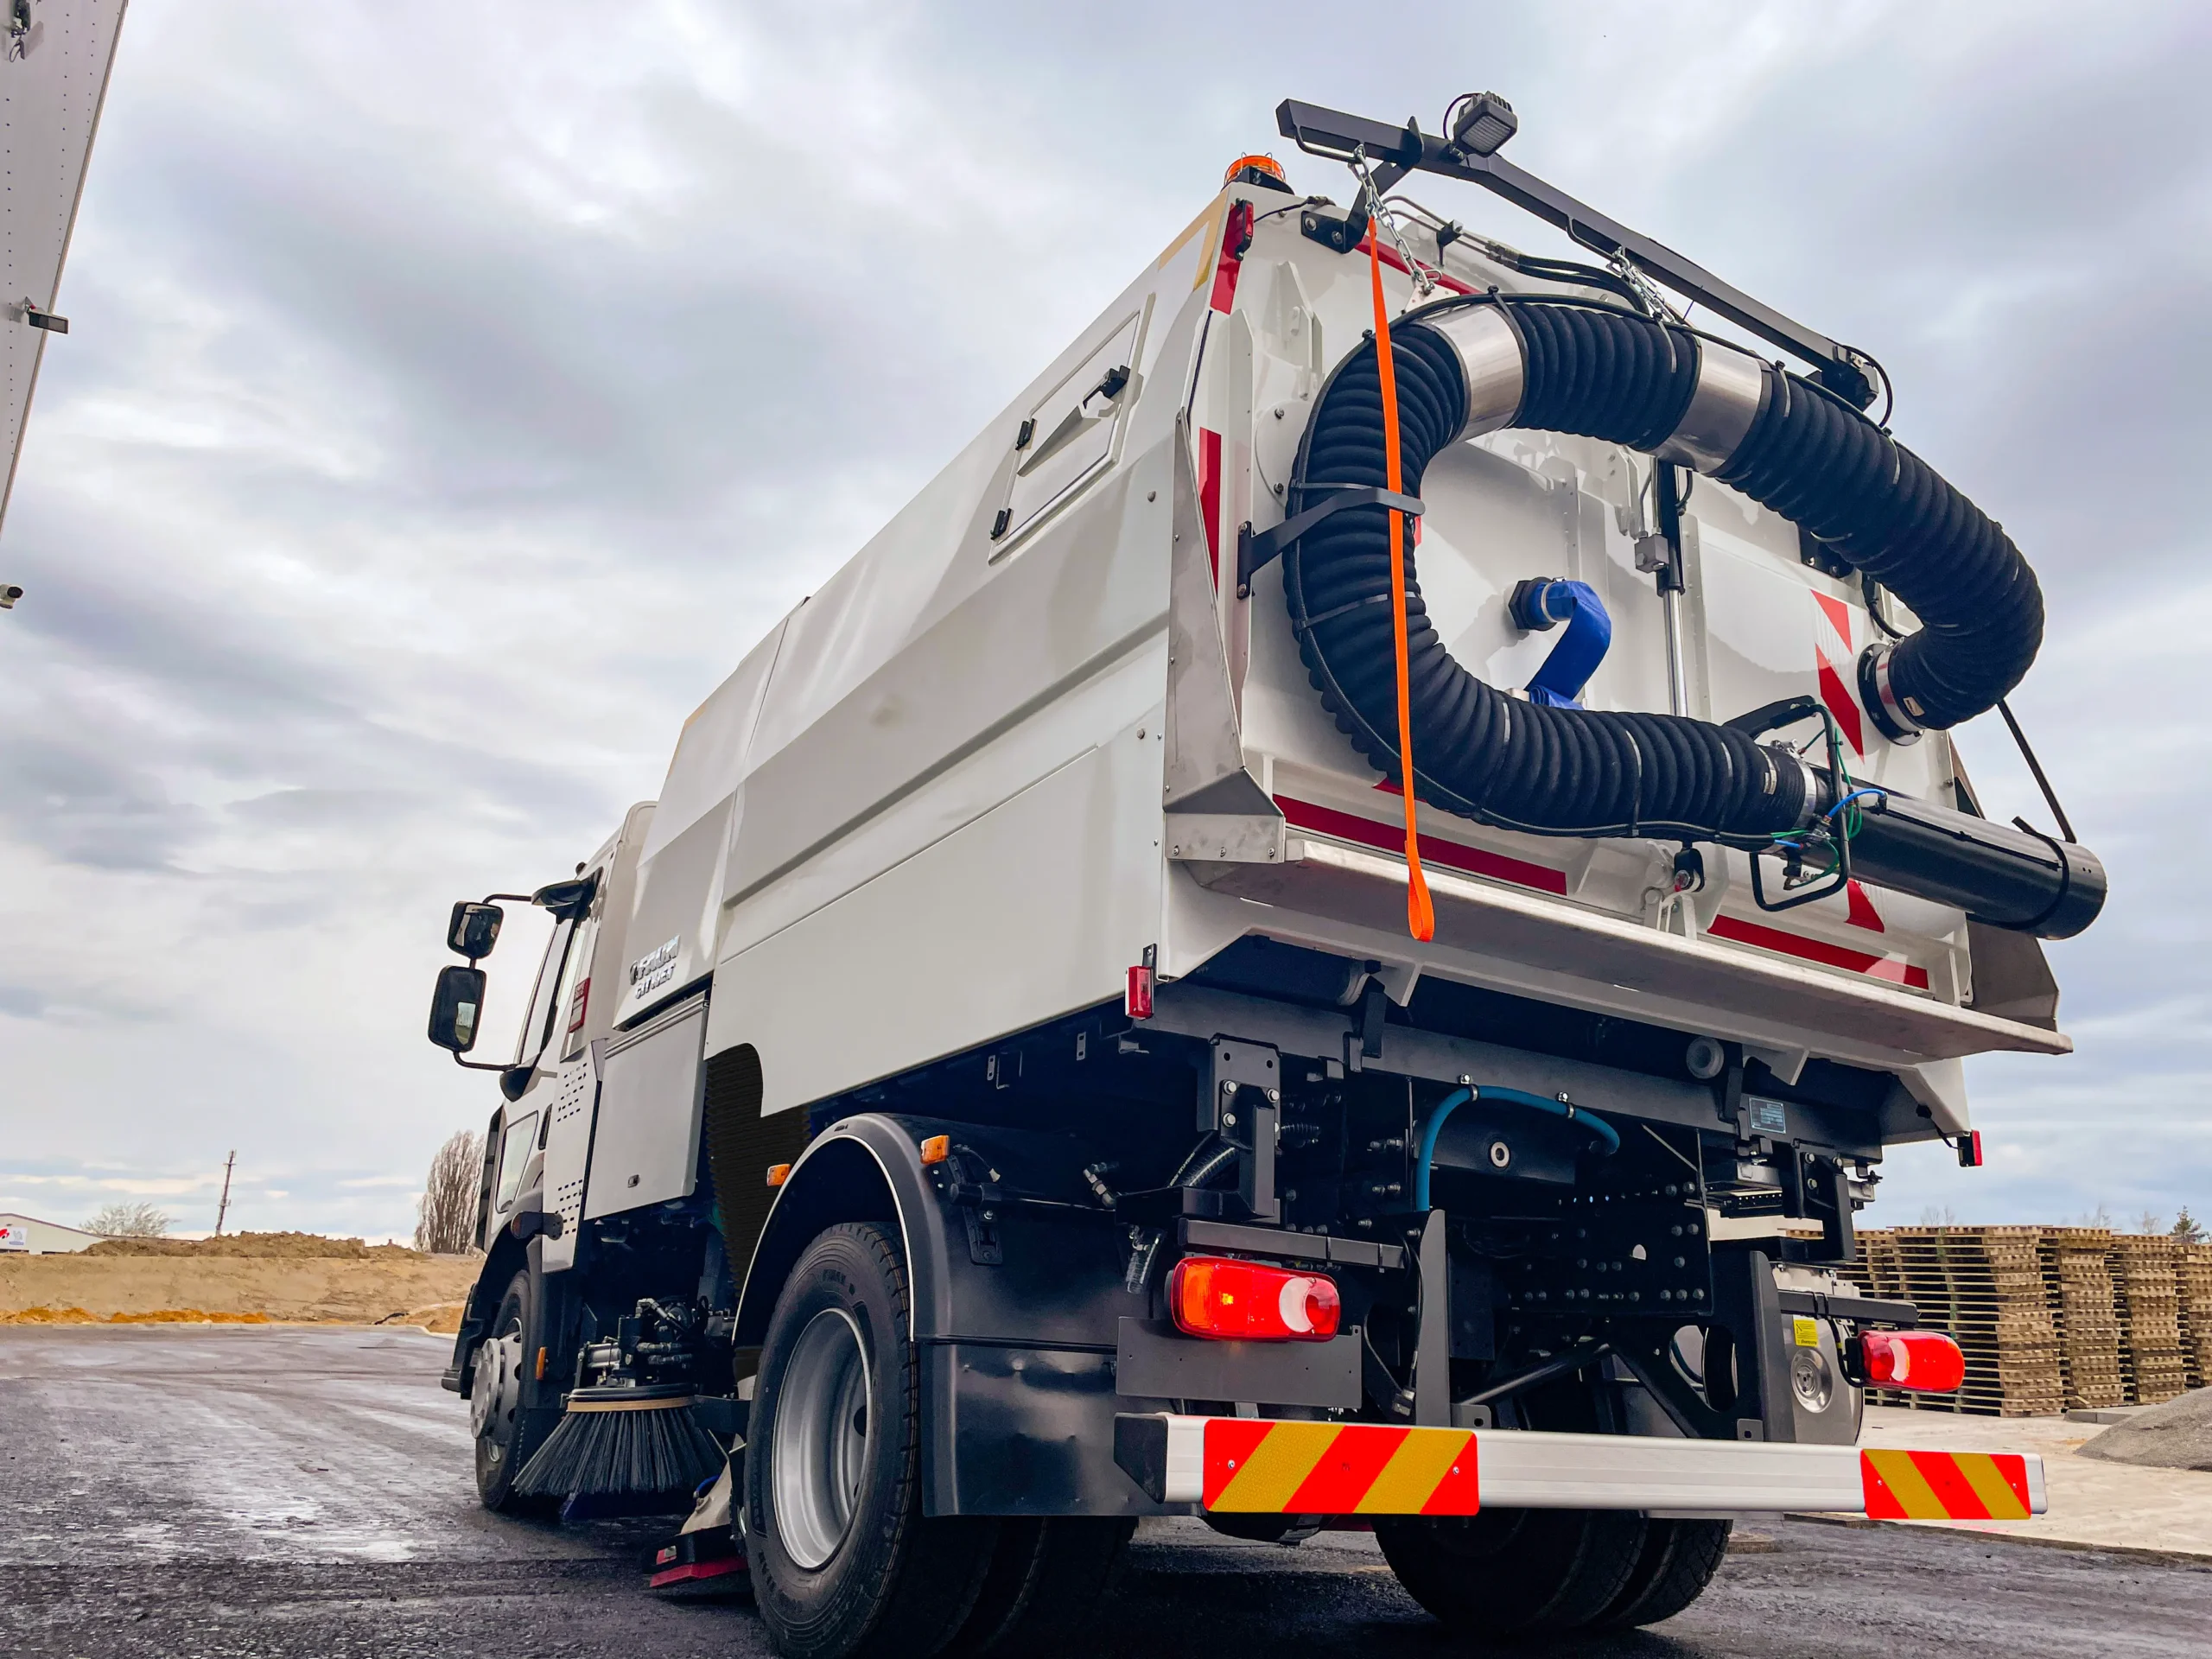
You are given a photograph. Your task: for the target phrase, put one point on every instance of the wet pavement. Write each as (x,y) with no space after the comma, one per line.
(280,1491)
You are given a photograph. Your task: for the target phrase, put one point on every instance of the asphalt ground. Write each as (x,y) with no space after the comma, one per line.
(279,1491)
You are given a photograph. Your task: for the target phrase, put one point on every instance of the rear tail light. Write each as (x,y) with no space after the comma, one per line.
(1970,1149)
(1219,1297)
(1927,1361)
(1138,1002)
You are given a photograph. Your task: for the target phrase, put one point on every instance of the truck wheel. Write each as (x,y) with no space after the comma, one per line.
(1678,1559)
(1047,1575)
(843,1561)
(1511,1572)
(504,1440)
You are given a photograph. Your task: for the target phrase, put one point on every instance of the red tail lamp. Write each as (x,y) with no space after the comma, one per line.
(1245,1301)
(1927,1361)
(1137,1002)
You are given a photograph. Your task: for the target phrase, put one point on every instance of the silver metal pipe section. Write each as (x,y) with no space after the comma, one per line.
(1731,388)
(1896,715)
(1678,676)
(1491,363)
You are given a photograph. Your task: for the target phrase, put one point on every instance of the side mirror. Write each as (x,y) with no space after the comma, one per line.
(457,1008)
(474,930)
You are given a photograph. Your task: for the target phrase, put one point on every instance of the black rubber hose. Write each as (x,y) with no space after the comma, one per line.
(1479,752)
(1625,379)
(1828,468)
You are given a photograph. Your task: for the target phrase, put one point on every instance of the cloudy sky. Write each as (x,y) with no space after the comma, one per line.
(455,392)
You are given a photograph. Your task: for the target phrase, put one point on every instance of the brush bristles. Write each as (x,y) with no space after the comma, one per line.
(612,1452)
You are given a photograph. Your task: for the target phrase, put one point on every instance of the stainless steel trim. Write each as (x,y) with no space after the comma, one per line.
(1730,386)
(1490,361)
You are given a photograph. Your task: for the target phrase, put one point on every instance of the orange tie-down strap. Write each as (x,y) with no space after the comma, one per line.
(1945,1485)
(1257,1466)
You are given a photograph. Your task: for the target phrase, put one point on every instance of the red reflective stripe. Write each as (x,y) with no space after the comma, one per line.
(1229,1442)
(1348,826)
(1210,498)
(1863,913)
(1882,1504)
(1832,956)
(1396,262)
(1840,705)
(1347,1469)
(1953,1490)
(1234,240)
(1459,1491)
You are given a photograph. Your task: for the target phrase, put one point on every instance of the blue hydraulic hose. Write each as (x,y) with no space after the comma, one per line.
(1432,1126)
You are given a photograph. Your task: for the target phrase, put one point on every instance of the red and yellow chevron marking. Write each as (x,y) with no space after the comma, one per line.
(1945,1485)
(1254,1466)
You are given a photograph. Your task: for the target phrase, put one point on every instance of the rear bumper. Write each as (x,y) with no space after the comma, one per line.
(1248,1465)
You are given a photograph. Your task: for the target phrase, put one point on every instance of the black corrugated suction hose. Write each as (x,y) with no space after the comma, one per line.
(1621,378)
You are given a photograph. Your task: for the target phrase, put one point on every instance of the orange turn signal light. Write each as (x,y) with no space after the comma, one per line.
(936,1149)
(778,1173)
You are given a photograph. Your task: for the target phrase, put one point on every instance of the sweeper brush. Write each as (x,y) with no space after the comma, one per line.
(618,1441)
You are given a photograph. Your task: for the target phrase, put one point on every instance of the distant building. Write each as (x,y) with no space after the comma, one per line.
(27,1233)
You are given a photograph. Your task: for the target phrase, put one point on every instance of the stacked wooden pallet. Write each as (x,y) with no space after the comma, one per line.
(2148,1301)
(2078,1279)
(1984,1285)
(2196,1274)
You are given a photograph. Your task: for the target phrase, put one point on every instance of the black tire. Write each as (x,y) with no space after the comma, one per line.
(1680,1559)
(1513,1572)
(1047,1575)
(880,1578)
(505,1433)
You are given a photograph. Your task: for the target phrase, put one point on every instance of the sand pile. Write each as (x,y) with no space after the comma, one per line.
(159,1316)
(290,1246)
(254,1278)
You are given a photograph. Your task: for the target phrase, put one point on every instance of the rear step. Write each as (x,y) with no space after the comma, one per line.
(1256,1466)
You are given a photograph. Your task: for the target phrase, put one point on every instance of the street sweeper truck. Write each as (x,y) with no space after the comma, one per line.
(1330,928)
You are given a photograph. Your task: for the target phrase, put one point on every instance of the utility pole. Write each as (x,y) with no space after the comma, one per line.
(224,1209)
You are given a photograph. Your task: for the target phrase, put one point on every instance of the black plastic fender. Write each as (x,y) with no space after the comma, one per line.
(1016,1317)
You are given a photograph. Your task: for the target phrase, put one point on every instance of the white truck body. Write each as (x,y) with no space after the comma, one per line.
(964,786)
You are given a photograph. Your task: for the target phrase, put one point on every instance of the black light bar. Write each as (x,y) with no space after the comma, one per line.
(1393,152)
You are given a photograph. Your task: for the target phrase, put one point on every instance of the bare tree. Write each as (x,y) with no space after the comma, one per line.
(445,1216)
(130,1221)
(2150,1221)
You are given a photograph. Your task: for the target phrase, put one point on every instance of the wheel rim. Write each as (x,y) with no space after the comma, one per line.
(818,1448)
(495,1390)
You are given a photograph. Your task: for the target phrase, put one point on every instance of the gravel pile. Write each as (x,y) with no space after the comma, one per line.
(2176,1435)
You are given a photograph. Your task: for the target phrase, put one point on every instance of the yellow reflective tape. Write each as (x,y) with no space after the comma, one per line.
(1995,1491)
(1807,1332)
(1913,1493)
(1276,1467)
(1410,1478)
(1204,226)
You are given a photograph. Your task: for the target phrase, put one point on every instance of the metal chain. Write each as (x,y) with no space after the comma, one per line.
(1424,281)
